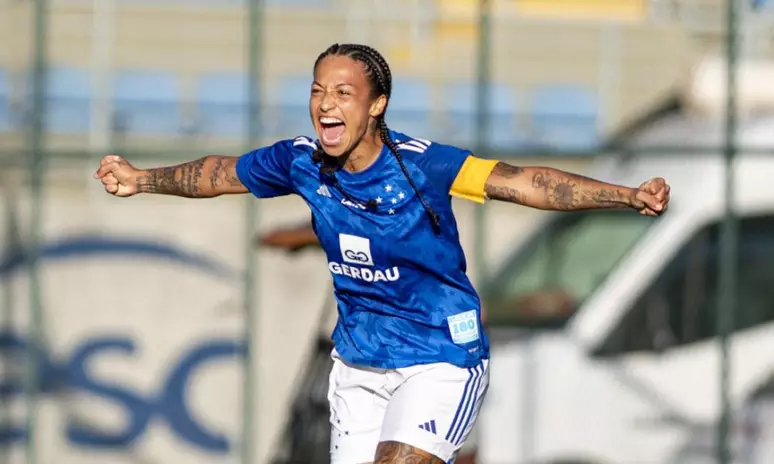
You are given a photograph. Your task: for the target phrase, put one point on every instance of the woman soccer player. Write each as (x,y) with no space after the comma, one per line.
(410,360)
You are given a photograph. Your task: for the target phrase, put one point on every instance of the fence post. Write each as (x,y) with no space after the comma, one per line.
(481,129)
(249,387)
(36,144)
(728,239)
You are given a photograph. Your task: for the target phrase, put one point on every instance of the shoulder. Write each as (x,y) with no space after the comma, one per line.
(434,158)
(267,171)
(440,163)
(411,146)
(294,148)
(302,144)
(283,152)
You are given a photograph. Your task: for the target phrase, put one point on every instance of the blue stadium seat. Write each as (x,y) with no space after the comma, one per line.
(502,131)
(5,102)
(459,114)
(147,102)
(408,111)
(293,102)
(222,103)
(564,117)
(68,100)
(298,2)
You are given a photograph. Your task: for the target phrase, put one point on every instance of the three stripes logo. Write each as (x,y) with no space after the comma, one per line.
(428,426)
(323,190)
(471,401)
(416,145)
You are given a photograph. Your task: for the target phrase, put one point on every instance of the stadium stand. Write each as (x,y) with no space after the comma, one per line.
(409,109)
(297,3)
(291,101)
(460,116)
(564,117)
(221,103)
(627,10)
(503,128)
(147,102)
(206,45)
(68,100)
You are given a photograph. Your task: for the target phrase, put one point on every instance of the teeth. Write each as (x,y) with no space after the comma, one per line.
(330,120)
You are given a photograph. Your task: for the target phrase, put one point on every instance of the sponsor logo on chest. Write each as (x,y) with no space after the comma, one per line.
(359,262)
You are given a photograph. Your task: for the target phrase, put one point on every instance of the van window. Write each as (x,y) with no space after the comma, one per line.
(560,266)
(680,306)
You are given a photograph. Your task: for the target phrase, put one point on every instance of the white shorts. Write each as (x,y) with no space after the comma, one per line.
(432,407)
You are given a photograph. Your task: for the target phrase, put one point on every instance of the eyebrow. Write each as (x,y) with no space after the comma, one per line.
(337,85)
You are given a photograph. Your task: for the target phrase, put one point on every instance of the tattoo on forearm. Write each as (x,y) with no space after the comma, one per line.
(392,452)
(570,191)
(504,193)
(182,180)
(223,172)
(552,189)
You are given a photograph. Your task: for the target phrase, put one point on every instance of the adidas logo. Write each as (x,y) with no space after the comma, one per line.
(428,426)
(323,190)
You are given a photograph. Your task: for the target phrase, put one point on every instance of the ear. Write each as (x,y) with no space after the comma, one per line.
(378,106)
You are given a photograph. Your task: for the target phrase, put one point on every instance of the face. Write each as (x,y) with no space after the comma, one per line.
(341,104)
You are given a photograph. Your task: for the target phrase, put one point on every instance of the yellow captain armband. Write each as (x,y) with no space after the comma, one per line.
(470,181)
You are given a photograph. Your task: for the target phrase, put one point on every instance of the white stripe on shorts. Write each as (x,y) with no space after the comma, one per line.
(465,409)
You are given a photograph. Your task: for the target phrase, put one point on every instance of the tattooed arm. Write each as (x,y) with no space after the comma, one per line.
(207,177)
(552,189)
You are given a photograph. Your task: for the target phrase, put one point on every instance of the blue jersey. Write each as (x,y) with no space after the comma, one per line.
(403,294)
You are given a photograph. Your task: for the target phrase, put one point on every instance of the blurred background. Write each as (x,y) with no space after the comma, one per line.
(161,330)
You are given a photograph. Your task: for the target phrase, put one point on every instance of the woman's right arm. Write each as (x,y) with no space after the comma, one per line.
(206,177)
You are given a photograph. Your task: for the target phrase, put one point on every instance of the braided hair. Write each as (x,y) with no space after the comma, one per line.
(378,73)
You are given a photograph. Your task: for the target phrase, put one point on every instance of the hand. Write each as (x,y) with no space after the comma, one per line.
(118,176)
(652,197)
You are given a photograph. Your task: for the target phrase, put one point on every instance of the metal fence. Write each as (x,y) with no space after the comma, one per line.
(47,187)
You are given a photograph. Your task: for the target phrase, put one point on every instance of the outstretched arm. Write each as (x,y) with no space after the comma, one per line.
(206,177)
(551,189)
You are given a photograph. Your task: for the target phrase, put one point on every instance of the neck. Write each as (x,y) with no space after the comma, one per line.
(365,153)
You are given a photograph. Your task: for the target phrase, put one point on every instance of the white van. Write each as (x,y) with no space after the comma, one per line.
(603,323)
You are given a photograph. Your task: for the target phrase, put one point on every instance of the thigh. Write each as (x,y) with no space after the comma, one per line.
(358,400)
(434,410)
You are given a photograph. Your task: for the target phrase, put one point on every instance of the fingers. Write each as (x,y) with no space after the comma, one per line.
(653,185)
(109,159)
(110,182)
(650,201)
(106,169)
(109,179)
(660,194)
(108,164)
(654,196)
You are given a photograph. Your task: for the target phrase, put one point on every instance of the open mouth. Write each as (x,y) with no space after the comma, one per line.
(332,130)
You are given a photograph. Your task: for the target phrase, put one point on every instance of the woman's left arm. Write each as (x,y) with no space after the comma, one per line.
(551,189)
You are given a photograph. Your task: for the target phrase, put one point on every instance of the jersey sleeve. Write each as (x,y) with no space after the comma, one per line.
(266,171)
(458,171)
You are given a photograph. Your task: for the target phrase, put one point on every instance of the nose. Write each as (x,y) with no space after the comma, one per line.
(327,102)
